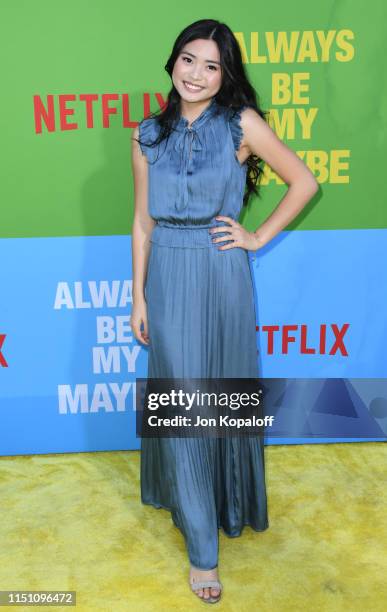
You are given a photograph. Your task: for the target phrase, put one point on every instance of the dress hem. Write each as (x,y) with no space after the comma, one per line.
(158,506)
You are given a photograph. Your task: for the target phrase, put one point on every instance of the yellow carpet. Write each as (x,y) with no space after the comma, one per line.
(76,522)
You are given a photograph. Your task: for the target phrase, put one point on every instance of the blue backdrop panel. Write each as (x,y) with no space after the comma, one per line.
(68,361)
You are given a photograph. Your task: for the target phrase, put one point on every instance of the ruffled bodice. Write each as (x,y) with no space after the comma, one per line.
(194,175)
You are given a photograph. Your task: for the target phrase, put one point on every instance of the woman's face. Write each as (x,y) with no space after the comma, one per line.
(198,65)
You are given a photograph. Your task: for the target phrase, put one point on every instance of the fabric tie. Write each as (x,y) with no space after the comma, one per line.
(186,142)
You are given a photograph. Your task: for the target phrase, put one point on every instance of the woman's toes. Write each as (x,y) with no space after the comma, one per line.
(198,575)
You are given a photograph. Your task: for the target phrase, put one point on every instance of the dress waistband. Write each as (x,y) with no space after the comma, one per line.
(169,234)
(184,225)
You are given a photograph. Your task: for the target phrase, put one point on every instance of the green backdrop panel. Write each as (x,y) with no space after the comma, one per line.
(319,68)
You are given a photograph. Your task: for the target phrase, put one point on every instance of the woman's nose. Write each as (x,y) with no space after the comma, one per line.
(196,76)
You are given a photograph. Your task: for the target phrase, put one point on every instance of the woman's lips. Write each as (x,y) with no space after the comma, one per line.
(193,89)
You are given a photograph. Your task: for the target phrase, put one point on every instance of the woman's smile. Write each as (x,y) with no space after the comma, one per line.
(191,87)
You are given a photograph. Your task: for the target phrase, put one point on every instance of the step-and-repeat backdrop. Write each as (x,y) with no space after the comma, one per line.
(75,84)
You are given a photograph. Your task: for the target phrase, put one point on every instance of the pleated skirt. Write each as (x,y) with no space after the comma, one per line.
(201,323)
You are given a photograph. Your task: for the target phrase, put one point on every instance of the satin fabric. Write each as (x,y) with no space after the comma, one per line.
(201,318)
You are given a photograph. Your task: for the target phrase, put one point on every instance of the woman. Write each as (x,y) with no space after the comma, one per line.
(193,303)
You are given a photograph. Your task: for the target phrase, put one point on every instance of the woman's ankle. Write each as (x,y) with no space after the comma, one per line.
(200,569)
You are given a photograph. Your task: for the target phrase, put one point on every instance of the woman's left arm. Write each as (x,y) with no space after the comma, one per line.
(261,140)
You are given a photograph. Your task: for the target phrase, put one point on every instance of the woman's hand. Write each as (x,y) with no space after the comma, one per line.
(138,317)
(241,237)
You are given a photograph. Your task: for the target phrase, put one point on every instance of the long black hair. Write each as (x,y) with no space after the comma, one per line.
(235,91)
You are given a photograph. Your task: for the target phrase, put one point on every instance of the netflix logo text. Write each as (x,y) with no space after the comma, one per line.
(328,339)
(3,362)
(65,112)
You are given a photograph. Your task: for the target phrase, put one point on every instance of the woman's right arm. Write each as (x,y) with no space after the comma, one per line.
(142,229)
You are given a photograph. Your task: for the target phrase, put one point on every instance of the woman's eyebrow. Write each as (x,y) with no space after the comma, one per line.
(211,61)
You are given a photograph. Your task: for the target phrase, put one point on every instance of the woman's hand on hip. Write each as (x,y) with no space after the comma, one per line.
(237,233)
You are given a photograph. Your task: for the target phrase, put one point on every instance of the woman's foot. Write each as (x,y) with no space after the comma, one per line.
(198,575)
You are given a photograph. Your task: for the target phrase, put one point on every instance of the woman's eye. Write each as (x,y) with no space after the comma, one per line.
(189,60)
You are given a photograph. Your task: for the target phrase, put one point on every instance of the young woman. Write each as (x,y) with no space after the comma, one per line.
(195,164)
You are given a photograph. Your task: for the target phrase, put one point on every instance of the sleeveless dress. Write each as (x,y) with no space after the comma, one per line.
(201,323)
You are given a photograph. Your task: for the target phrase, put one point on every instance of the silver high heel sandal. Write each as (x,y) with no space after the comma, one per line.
(197,585)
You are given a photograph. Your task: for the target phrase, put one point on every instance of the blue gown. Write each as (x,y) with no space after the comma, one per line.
(201,323)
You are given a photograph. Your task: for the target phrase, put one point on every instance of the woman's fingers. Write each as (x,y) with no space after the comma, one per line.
(145,334)
(237,236)
(140,335)
(233,233)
